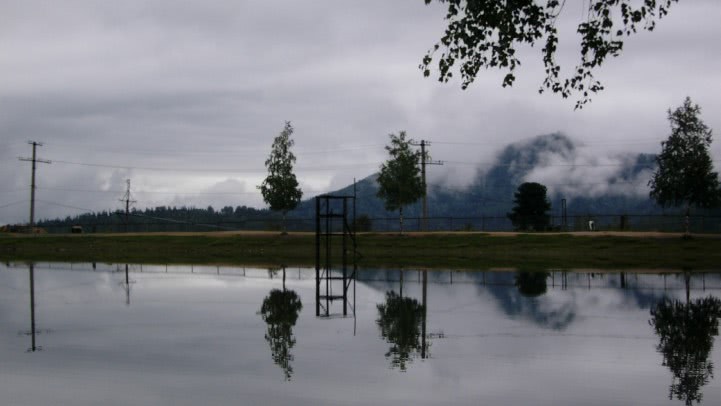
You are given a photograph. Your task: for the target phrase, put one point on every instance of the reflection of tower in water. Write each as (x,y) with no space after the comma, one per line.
(334,242)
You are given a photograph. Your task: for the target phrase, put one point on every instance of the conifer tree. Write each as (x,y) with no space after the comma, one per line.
(685,176)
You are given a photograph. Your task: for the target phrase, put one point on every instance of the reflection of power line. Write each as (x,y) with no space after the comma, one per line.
(700,281)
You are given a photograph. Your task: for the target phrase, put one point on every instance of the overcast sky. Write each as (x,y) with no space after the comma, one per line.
(185,97)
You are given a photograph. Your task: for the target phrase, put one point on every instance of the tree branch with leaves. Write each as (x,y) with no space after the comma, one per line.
(486,34)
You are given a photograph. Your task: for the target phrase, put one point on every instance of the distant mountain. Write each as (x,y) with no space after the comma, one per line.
(552,160)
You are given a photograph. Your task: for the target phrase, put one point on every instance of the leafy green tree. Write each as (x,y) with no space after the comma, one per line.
(399,320)
(530,207)
(686,333)
(685,173)
(486,34)
(280,188)
(399,180)
(280,310)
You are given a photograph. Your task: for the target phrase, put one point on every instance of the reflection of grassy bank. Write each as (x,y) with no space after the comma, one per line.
(461,250)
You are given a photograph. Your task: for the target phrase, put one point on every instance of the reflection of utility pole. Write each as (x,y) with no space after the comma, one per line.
(127,200)
(425,161)
(425,313)
(32,305)
(34,160)
(126,286)
(283,278)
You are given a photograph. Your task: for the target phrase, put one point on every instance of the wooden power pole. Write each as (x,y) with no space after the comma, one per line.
(425,161)
(127,200)
(34,160)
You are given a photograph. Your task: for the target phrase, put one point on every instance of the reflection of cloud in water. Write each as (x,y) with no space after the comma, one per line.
(199,339)
(559,312)
(551,310)
(541,310)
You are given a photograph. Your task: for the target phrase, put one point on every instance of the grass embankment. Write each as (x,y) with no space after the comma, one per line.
(447,250)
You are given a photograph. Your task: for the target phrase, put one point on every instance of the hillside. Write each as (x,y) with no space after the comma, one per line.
(547,159)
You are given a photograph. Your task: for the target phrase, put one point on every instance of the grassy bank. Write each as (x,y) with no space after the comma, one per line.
(455,250)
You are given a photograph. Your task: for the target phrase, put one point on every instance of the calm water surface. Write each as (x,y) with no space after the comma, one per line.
(220,335)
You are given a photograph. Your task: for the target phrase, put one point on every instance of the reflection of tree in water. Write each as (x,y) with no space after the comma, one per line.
(399,319)
(686,332)
(531,284)
(280,311)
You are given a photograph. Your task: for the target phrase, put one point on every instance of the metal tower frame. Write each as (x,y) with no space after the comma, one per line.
(330,226)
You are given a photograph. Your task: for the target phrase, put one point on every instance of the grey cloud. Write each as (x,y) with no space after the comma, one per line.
(209,84)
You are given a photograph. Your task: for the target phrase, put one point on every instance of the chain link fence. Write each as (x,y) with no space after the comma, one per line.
(606,222)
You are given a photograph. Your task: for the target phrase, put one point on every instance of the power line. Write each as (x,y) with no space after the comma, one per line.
(580,145)
(137,192)
(183,222)
(66,206)
(332,167)
(227,170)
(12,204)
(549,165)
(247,151)
(141,192)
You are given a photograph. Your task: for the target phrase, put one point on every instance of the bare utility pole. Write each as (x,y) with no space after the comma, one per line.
(34,160)
(425,161)
(127,200)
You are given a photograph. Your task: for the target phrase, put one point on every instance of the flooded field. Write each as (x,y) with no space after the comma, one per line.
(117,334)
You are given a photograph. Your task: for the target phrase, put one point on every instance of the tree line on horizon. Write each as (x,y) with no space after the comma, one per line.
(684,177)
(169,215)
